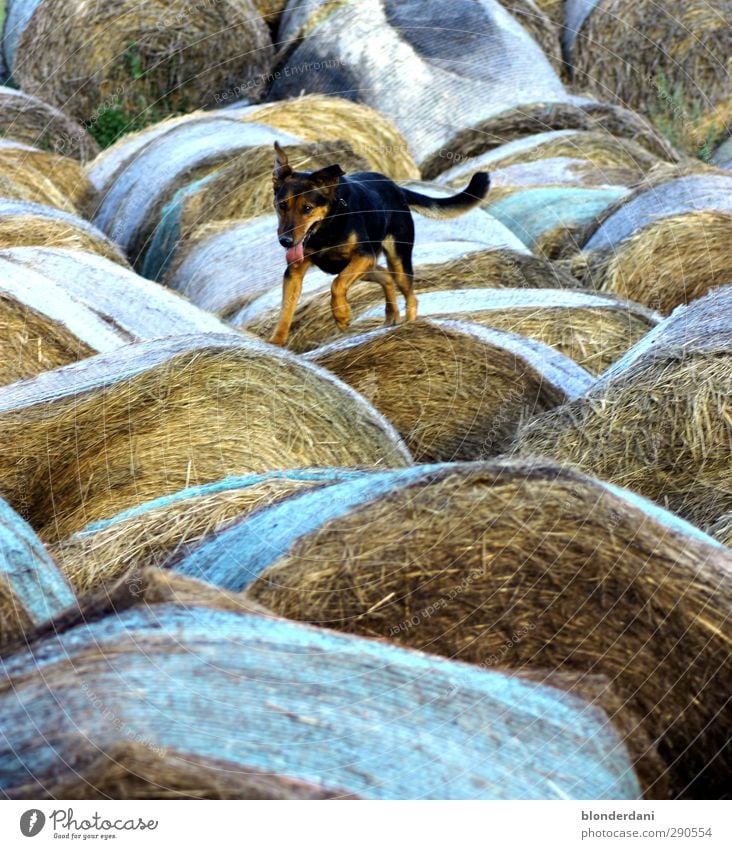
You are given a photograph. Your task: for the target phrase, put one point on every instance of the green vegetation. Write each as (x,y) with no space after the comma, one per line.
(679,118)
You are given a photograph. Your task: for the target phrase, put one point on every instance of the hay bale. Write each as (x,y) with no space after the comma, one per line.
(22,181)
(321,118)
(513,565)
(132,205)
(240,189)
(150,534)
(658,420)
(163,56)
(721,530)
(722,156)
(178,685)
(30,120)
(669,262)
(177,412)
(453,390)
(641,54)
(16,17)
(32,590)
(540,26)
(531,118)
(554,10)
(24,223)
(424,66)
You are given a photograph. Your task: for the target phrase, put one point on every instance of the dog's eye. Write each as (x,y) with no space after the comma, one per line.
(307,208)
(283,205)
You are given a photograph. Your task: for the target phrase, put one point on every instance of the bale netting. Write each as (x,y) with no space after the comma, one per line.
(24,223)
(453,390)
(132,205)
(177,412)
(540,26)
(163,57)
(664,60)
(241,189)
(658,421)
(323,118)
(32,589)
(670,262)
(34,122)
(194,685)
(531,118)
(512,565)
(425,66)
(151,534)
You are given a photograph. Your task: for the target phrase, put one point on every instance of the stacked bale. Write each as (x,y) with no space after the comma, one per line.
(554,9)
(32,590)
(658,421)
(722,156)
(453,390)
(540,26)
(511,565)
(178,698)
(22,181)
(722,529)
(422,65)
(177,412)
(150,534)
(34,122)
(139,60)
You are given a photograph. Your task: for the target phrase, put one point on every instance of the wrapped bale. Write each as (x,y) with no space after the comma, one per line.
(511,565)
(193,690)
(32,590)
(150,534)
(239,189)
(423,65)
(453,390)
(658,420)
(30,120)
(540,26)
(23,223)
(143,57)
(722,156)
(177,412)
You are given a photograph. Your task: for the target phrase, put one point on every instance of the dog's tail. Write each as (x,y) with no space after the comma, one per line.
(453,206)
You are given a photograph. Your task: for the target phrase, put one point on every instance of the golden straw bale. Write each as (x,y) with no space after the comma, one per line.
(22,181)
(722,529)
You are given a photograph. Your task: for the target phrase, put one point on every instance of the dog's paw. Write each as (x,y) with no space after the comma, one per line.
(278,339)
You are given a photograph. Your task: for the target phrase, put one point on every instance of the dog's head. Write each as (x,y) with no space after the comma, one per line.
(302,199)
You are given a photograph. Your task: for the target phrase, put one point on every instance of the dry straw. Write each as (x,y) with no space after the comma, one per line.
(722,529)
(659,421)
(177,412)
(453,390)
(22,181)
(41,125)
(163,56)
(527,566)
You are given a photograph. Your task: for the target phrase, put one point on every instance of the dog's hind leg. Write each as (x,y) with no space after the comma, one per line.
(357,267)
(386,281)
(291,288)
(399,260)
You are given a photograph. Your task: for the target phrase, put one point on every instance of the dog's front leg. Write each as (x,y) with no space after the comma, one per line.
(357,267)
(291,288)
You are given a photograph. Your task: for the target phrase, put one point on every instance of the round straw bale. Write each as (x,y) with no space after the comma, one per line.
(658,420)
(176,686)
(16,17)
(556,172)
(531,118)
(424,65)
(722,529)
(177,412)
(132,205)
(722,156)
(22,181)
(669,262)
(514,565)
(453,390)
(32,590)
(319,118)
(169,56)
(240,189)
(554,10)
(30,120)
(662,59)
(25,223)
(541,28)
(150,534)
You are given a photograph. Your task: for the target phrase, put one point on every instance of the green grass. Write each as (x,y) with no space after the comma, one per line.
(678,117)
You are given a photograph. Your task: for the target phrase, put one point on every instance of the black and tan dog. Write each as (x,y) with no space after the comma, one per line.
(342,224)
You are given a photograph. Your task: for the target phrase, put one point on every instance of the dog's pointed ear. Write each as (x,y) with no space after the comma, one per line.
(328,177)
(282,168)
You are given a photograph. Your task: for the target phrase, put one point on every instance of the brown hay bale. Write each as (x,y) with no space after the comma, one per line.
(554,10)
(532,118)
(151,534)
(520,565)
(722,529)
(658,422)
(28,119)
(164,56)
(453,390)
(270,10)
(641,53)
(177,412)
(321,118)
(22,181)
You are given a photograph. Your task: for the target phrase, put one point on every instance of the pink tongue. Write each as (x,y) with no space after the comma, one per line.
(296,254)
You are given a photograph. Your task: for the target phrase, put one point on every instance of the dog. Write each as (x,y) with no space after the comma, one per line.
(343,223)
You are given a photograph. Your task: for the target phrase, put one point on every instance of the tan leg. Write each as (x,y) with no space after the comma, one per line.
(291,288)
(402,277)
(356,268)
(386,281)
